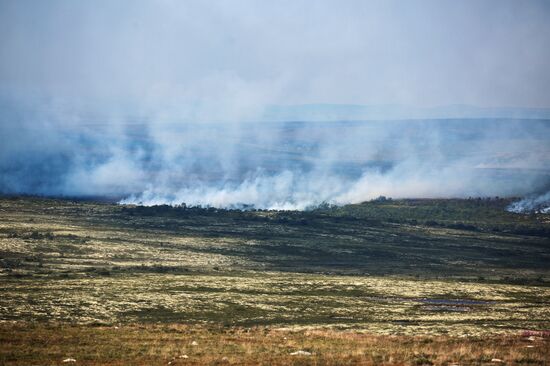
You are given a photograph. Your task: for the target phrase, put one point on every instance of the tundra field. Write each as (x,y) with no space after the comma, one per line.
(418,282)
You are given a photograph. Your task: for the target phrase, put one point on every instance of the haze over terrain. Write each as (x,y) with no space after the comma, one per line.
(280,105)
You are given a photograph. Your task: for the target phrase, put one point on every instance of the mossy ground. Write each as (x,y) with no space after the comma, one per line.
(441,269)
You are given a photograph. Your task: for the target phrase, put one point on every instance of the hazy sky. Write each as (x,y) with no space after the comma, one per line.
(200,57)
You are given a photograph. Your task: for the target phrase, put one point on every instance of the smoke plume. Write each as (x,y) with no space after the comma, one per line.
(275,165)
(282,105)
(536,204)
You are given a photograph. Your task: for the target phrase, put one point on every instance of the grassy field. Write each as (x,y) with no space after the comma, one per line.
(384,282)
(177,344)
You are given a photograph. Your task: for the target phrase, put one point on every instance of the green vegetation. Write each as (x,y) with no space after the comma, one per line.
(408,267)
(467,240)
(473,214)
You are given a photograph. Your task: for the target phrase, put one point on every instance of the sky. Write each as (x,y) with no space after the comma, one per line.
(217,60)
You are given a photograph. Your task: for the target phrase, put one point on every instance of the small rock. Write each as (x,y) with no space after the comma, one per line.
(183,356)
(530,346)
(194,343)
(69,360)
(301,353)
(498,360)
(225,359)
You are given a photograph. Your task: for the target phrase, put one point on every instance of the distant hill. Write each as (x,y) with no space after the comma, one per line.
(339,112)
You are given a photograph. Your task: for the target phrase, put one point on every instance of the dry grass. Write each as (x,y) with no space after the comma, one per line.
(50,344)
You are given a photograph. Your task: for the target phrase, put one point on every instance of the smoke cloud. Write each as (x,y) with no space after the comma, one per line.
(280,105)
(282,165)
(537,204)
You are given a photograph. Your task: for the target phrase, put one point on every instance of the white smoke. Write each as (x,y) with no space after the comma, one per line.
(175,101)
(274,165)
(295,190)
(537,204)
